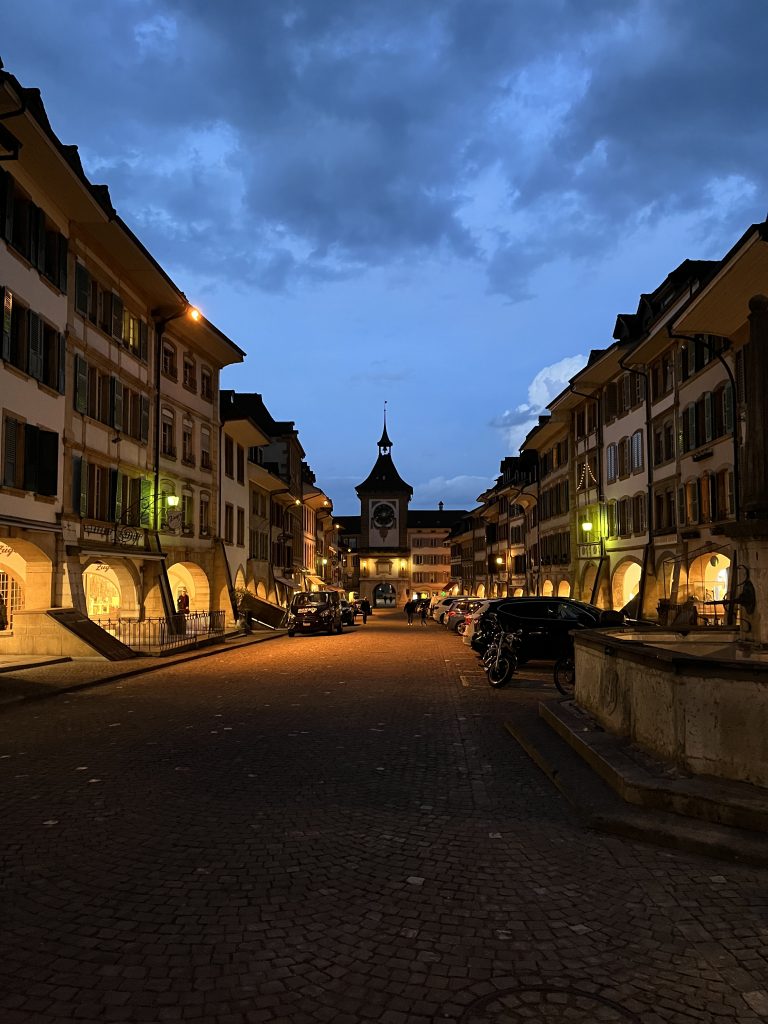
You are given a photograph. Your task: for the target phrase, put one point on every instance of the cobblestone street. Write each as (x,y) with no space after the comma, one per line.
(339,829)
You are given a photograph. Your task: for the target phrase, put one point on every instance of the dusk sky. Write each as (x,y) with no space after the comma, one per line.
(439,204)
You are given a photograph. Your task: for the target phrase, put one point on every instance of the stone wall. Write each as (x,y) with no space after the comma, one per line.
(705,713)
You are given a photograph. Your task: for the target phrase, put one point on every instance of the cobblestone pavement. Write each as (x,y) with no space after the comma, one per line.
(338,829)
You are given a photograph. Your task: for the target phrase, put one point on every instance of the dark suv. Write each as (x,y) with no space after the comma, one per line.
(546,623)
(315,611)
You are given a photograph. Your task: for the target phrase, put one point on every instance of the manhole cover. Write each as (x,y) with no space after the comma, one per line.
(547,1006)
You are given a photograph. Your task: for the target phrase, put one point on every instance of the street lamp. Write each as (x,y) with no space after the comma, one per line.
(161,317)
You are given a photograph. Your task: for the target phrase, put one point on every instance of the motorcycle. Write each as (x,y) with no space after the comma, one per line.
(500,660)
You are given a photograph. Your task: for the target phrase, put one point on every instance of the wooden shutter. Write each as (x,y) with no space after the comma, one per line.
(692,435)
(118,499)
(31,457)
(61,364)
(6,323)
(116,403)
(728,408)
(82,289)
(77,466)
(37,238)
(62,268)
(84,476)
(106,311)
(6,205)
(143,341)
(81,385)
(48,462)
(11,452)
(117,317)
(146,501)
(680,506)
(35,360)
(708,416)
(143,417)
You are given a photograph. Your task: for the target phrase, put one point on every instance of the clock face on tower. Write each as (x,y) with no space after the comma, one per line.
(384,523)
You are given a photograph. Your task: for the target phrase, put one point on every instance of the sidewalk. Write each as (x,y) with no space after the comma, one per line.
(35,678)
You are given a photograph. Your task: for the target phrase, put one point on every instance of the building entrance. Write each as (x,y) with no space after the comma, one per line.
(384,595)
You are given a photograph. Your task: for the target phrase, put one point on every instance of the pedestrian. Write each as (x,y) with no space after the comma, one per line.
(409,610)
(423,612)
(365,608)
(183,603)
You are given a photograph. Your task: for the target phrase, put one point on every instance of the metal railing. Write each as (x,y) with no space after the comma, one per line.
(163,634)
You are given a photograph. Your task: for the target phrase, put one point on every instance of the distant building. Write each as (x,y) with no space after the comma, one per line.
(391,552)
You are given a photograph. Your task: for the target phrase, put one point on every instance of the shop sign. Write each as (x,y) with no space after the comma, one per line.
(5,550)
(590,550)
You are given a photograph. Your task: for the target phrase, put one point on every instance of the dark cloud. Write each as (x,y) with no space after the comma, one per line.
(279,143)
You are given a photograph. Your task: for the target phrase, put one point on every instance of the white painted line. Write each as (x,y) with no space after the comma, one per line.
(464,680)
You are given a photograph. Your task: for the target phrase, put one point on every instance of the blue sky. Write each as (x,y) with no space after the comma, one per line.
(439,204)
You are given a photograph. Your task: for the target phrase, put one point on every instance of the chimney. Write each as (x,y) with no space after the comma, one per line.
(440,505)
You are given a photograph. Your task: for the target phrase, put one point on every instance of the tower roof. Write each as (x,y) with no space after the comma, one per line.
(384,477)
(384,441)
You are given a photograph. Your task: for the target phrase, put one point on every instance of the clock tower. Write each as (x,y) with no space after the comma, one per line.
(384,553)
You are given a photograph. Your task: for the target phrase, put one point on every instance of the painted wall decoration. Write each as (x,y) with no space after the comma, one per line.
(384,523)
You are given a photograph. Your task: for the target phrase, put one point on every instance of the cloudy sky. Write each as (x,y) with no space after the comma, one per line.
(443,204)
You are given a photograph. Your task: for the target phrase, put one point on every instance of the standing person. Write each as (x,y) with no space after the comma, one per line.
(409,609)
(365,608)
(423,612)
(184,603)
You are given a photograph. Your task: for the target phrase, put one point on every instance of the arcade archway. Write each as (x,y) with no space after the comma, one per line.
(384,595)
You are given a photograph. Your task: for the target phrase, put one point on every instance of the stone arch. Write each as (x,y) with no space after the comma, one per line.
(625,584)
(191,577)
(708,575)
(547,588)
(239,582)
(31,569)
(564,589)
(588,577)
(261,590)
(518,592)
(481,590)
(111,587)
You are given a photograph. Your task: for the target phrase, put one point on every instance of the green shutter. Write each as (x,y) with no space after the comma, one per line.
(48,462)
(144,417)
(146,500)
(693,440)
(708,413)
(84,474)
(116,402)
(61,364)
(62,254)
(117,317)
(7,319)
(35,346)
(81,385)
(31,457)
(118,503)
(10,452)
(82,289)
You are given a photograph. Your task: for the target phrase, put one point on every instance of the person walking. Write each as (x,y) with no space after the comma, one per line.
(409,608)
(365,608)
(424,608)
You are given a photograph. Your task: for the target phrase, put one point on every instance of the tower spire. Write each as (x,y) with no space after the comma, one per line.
(384,442)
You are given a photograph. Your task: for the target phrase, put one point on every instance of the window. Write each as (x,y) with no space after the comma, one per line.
(205,505)
(636,451)
(623,457)
(169,360)
(31,233)
(229,457)
(638,513)
(30,457)
(612,462)
(205,447)
(241,527)
(206,383)
(190,376)
(31,344)
(187,524)
(229,518)
(187,444)
(240,464)
(168,435)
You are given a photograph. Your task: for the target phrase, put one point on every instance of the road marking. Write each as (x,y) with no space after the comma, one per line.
(464,681)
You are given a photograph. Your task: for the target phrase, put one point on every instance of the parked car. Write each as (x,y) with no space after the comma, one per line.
(546,623)
(440,608)
(315,611)
(458,613)
(476,614)
(348,612)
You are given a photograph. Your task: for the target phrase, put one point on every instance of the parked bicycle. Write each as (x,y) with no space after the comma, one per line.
(565,675)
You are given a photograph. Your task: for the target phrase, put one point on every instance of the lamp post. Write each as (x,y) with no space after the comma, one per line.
(161,317)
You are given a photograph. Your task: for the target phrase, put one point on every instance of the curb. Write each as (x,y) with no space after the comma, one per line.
(158,663)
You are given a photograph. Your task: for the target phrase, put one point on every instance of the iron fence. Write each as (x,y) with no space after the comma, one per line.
(162,634)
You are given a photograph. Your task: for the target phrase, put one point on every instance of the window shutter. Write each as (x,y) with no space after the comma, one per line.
(708,416)
(691,414)
(728,408)
(82,289)
(31,457)
(62,269)
(695,501)
(35,346)
(144,418)
(106,311)
(143,341)
(117,317)
(84,474)
(10,452)
(81,385)
(37,242)
(116,403)
(61,364)
(114,476)
(7,317)
(118,503)
(48,462)
(6,205)
(146,500)
(681,505)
